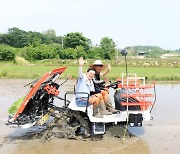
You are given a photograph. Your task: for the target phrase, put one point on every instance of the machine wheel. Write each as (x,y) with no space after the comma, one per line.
(70,124)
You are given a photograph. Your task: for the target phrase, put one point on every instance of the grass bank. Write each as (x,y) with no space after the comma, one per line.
(36,71)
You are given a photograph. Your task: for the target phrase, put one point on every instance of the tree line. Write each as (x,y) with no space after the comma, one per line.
(37,46)
(46,45)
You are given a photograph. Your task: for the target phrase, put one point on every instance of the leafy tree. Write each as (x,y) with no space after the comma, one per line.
(80,52)
(108,47)
(20,38)
(51,37)
(16,37)
(7,53)
(4,39)
(40,52)
(50,33)
(68,53)
(154,53)
(72,40)
(35,38)
(95,53)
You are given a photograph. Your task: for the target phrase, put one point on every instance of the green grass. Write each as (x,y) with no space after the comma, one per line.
(152,69)
(36,71)
(151,73)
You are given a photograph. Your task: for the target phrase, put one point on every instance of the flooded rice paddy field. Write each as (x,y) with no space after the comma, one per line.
(158,136)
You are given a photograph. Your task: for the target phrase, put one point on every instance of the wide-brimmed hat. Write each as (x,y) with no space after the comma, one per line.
(98,62)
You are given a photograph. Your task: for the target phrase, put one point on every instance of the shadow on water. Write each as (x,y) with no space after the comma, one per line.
(137,131)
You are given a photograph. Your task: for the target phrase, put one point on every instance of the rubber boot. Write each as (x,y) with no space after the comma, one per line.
(103,110)
(110,107)
(96,112)
(113,110)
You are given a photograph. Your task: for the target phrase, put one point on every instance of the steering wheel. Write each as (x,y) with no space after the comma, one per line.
(113,85)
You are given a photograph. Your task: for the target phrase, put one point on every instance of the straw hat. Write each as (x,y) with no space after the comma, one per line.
(98,63)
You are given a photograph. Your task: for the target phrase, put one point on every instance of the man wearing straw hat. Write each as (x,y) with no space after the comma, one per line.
(85,84)
(99,84)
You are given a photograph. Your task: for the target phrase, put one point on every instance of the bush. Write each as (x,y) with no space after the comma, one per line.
(7,54)
(95,53)
(68,53)
(40,52)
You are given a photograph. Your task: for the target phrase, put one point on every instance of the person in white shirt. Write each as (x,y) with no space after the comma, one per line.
(86,85)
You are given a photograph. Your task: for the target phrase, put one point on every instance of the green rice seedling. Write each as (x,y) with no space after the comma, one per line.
(13,109)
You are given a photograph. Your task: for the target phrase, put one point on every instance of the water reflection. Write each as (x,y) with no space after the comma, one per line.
(166,110)
(163,132)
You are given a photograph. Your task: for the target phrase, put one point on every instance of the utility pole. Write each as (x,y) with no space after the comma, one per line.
(117,58)
(124,53)
(62,43)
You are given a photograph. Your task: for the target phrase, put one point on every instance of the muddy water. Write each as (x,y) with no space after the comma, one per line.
(161,135)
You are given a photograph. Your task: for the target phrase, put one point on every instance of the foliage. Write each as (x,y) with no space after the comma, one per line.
(46,45)
(7,53)
(72,40)
(51,37)
(68,53)
(95,53)
(154,53)
(16,37)
(13,109)
(51,51)
(80,52)
(150,51)
(108,47)
(40,52)
(20,38)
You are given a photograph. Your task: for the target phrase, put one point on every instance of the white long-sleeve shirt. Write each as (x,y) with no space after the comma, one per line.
(84,84)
